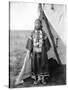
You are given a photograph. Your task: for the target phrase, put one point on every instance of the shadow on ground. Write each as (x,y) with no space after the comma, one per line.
(57,76)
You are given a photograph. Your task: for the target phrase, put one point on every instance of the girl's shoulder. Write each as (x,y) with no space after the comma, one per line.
(31,35)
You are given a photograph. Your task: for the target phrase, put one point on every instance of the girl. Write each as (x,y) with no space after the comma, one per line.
(38,44)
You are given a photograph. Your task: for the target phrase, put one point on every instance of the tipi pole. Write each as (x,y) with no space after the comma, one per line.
(43,16)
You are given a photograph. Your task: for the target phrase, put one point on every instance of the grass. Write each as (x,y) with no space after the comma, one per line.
(18,40)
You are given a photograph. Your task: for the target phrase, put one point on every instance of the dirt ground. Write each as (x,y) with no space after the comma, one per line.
(18,41)
(57,77)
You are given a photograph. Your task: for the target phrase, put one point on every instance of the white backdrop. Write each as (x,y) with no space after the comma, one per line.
(23,15)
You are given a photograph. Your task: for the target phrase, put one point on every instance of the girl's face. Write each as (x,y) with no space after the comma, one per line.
(37,24)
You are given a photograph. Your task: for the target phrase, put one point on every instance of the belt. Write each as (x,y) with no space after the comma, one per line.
(38,50)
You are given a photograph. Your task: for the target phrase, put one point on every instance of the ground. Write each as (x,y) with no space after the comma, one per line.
(18,41)
(57,77)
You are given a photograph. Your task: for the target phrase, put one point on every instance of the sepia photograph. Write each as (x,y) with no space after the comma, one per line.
(37,44)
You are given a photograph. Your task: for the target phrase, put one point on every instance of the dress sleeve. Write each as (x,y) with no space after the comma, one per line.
(29,44)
